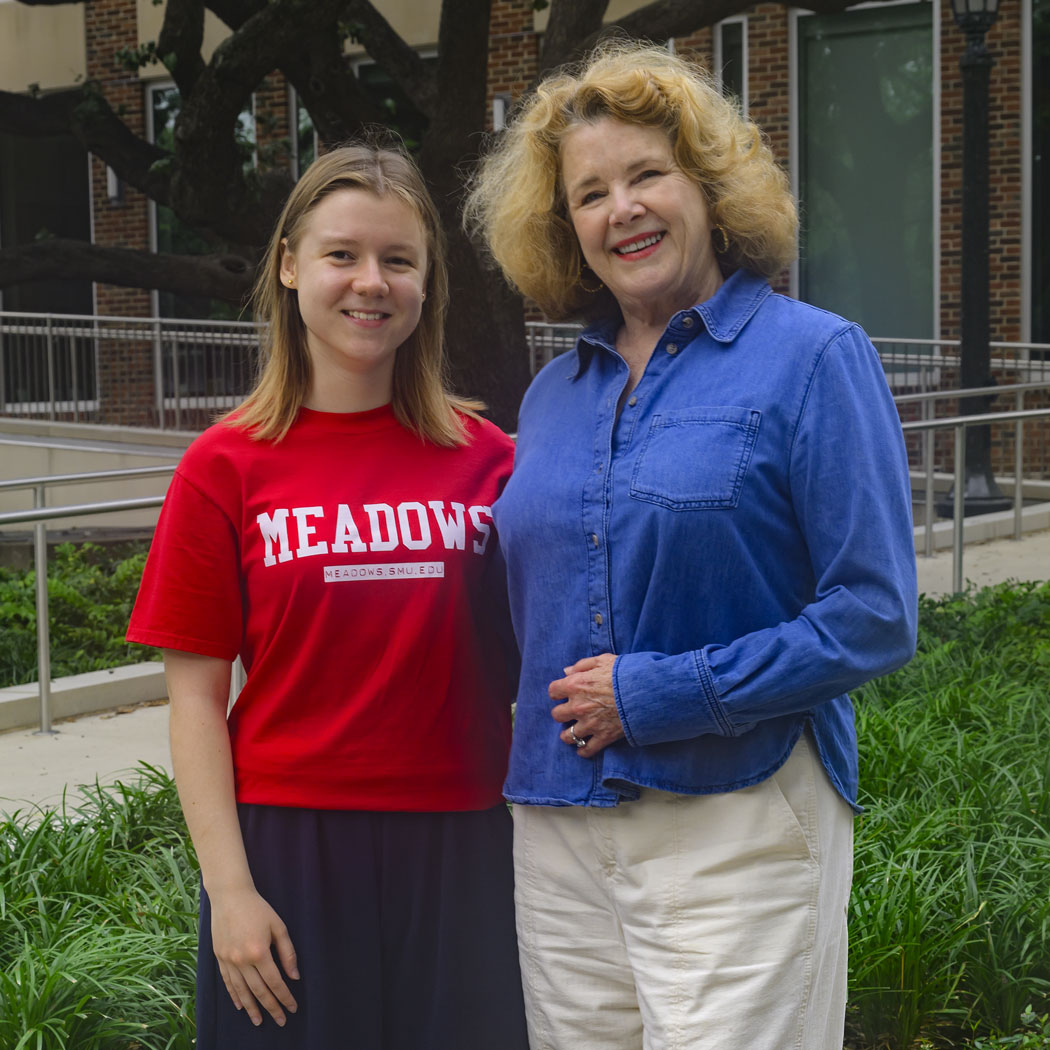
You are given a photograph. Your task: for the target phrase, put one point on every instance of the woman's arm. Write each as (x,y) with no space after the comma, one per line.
(848,474)
(245,928)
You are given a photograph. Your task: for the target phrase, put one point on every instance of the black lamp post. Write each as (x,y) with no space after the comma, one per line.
(975,18)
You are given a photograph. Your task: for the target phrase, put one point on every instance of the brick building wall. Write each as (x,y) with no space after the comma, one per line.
(125,375)
(124,223)
(513,50)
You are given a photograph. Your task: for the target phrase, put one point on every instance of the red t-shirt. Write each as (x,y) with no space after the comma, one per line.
(353,568)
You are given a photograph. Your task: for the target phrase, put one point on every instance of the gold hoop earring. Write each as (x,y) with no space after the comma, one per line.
(725,240)
(579,279)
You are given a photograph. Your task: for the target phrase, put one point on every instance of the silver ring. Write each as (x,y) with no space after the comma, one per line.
(575,739)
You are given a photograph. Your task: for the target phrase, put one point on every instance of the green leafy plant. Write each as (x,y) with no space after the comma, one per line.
(98,904)
(91,591)
(950,918)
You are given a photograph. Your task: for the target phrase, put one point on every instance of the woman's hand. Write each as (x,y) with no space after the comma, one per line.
(244,928)
(587,690)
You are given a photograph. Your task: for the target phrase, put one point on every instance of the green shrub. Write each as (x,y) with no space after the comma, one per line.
(90,595)
(98,905)
(950,917)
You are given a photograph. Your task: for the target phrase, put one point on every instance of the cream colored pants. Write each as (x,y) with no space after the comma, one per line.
(684,922)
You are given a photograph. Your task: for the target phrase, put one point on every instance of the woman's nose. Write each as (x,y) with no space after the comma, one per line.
(625,207)
(368,278)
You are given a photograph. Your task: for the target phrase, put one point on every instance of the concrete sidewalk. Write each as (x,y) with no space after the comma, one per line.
(36,769)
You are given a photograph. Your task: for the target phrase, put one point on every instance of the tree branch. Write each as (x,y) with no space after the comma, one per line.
(85,114)
(567,24)
(226,277)
(180,40)
(666,18)
(395,56)
(234,13)
(329,90)
(209,187)
(575,31)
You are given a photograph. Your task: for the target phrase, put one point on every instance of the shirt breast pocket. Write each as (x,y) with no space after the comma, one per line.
(696,458)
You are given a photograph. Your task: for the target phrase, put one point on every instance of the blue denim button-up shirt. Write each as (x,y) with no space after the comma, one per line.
(740,534)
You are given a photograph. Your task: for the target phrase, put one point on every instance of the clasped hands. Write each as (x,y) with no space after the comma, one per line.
(589,706)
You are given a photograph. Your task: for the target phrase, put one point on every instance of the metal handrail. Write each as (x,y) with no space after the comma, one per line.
(926,399)
(976,391)
(91,475)
(39,516)
(959,424)
(77,510)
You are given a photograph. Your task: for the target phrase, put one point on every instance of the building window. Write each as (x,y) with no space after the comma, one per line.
(731,59)
(865,166)
(1040,116)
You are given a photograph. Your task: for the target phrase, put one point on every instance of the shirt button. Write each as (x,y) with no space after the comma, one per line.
(687,322)
(598,619)
(672,348)
(594,536)
(633,402)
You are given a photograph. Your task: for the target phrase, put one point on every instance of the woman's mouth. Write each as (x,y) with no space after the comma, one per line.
(365,315)
(640,244)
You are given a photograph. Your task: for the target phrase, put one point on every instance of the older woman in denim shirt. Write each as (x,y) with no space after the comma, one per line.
(709,541)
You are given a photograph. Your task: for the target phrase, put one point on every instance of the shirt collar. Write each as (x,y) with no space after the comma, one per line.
(723,315)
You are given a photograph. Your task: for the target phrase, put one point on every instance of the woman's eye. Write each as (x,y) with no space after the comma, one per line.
(648,174)
(339,255)
(590,197)
(400,262)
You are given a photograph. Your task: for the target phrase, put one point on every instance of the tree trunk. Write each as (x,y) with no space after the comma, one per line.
(486,334)
(486,331)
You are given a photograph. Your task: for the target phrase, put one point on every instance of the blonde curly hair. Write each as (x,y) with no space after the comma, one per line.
(516,201)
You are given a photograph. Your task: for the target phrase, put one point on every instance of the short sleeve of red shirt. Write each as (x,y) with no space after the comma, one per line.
(190,598)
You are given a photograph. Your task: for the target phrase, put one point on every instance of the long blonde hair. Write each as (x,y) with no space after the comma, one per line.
(517,201)
(421,399)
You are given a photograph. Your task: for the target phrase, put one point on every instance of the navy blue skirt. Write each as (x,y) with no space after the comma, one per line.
(403,924)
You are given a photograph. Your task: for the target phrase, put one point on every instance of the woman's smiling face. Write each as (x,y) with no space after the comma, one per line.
(642,223)
(359,268)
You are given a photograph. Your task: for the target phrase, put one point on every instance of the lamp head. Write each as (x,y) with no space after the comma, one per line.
(975,17)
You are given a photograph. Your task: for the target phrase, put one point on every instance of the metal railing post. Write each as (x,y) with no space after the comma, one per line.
(1018,465)
(158,374)
(50,342)
(176,381)
(957,510)
(43,619)
(928,454)
(74,379)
